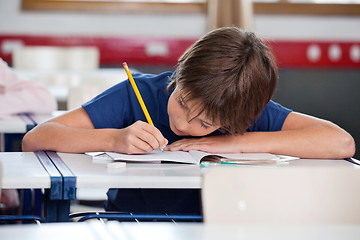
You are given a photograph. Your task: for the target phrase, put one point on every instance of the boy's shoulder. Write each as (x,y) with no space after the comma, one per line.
(147,76)
(271,118)
(276,108)
(152,82)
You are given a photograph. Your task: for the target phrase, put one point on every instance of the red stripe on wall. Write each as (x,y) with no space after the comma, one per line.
(317,54)
(166,51)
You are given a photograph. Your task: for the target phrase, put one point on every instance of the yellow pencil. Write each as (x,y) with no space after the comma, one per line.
(136,90)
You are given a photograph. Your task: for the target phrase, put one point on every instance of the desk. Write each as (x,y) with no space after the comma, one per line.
(15,123)
(40,118)
(12,129)
(180,231)
(94,174)
(27,170)
(76,171)
(91,173)
(23,170)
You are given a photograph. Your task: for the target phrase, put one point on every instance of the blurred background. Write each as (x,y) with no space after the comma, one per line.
(77,48)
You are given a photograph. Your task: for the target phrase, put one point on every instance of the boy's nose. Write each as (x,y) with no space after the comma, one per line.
(183,126)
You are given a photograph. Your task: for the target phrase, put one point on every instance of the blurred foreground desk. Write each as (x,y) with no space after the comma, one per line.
(169,231)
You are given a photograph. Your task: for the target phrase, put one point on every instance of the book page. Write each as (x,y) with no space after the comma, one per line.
(192,157)
(157,155)
(236,156)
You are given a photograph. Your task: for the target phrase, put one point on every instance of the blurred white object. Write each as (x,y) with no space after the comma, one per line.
(86,86)
(56,58)
(71,73)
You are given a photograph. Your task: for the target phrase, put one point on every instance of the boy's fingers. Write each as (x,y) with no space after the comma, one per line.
(150,140)
(143,146)
(161,140)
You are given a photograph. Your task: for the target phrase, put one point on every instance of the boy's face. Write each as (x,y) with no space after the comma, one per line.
(184,118)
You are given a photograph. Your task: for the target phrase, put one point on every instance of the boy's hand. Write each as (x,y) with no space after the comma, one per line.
(213,144)
(140,137)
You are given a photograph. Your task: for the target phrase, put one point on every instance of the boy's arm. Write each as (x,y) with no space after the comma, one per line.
(74,132)
(311,137)
(302,136)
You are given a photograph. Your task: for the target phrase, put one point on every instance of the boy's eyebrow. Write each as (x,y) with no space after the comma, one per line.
(210,124)
(202,120)
(180,96)
(183,100)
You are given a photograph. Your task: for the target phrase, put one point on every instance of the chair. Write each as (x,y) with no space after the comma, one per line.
(59,68)
(265,195)
(71,73)
(44,58)
(130,217)
(90,85)
(0,180)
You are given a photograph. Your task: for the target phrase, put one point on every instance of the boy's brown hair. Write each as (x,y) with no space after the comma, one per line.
(231,73)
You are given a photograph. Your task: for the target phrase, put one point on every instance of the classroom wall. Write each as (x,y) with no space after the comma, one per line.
(14,21)
(327,91)
(329,94)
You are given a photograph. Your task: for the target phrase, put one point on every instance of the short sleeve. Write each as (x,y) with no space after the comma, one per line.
(111,109)
(118,107)
(271,119)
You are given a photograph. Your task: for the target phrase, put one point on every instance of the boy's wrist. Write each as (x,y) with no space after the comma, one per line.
(110,140)
(114,140)
(240,142)
(253,142)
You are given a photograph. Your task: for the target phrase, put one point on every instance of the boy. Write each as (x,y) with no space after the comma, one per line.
(217,100)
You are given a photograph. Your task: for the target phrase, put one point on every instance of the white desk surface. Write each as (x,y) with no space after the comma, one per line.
(12,124)
(94,174)
(23,170)
(171,231)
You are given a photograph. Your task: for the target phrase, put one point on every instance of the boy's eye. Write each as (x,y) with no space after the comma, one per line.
(203,125)
(181,102)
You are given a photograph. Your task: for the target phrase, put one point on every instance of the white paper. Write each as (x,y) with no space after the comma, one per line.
(192,157)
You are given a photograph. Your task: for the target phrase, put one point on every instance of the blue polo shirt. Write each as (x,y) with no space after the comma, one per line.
(118,107)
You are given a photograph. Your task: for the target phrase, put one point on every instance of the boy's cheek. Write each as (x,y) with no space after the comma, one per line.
(200,132)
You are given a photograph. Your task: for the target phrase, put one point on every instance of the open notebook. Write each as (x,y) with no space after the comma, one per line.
(197,157)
